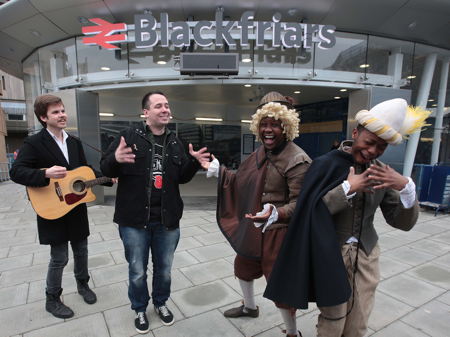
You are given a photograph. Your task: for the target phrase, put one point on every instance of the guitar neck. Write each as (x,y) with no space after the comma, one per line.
(97,181)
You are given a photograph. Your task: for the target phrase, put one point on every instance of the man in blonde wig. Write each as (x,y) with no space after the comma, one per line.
(330,255)
(255,203)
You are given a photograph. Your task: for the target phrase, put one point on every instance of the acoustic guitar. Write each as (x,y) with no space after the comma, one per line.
(63,194)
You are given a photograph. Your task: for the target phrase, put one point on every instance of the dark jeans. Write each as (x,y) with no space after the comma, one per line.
(137,244)
(59,256)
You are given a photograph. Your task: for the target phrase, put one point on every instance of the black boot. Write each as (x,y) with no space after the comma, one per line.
(83,289)
(57,308)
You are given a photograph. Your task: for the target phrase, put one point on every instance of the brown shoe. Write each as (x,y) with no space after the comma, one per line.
(240,312)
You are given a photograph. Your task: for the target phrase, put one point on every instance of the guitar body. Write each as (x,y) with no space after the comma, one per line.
(62,195)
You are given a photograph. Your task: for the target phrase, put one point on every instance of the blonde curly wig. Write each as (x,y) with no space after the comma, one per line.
(289,119)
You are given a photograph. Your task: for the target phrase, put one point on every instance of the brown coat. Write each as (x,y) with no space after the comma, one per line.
(261,178)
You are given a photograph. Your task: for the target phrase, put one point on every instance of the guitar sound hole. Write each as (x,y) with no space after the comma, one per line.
(79,186)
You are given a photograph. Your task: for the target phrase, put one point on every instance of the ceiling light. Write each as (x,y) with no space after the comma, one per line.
(161,62)
(296,91)
(410,77)
(434,105)
(246,121)
(105,68)
(247,85)
(142,116)
(247,60)
(412,25)
(209,119)
(431,100)
(364,65)
(343,90)
(106,114)
(337,97)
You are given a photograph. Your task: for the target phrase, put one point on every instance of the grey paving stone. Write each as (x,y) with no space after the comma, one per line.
(188,243)
(387,242)
(386,310)
(11,263)
(110,235)
(210,227)
(13,296)
(179,281)
(390,267)
(208,271)
(110,296)
(211,238)
(432,273)
(432,319)
(199,299)
(212,252)
(183,259)
(272,332)
(409,290)
(106,227)
(110,274)
(105,246)
(431,247)
(409,255)
(23,318)
(120,320)
(429,228)
(208,324)
(443,260)
(17,241)
(307,323)
(445,298)
(8,234)
(118,256)
(4,252)
(28,249)
(21,275)
(399,329)
(191,231)
(408,236)
(89,326)
(444,237)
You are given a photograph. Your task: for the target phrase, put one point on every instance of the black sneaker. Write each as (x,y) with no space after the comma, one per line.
(141,323)
(165,314)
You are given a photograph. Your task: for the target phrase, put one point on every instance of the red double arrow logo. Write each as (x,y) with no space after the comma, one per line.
(105,33)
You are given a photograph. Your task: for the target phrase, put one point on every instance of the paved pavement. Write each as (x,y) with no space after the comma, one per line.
(413,298)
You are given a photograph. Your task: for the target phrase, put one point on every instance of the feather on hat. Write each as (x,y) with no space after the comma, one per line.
(392,120)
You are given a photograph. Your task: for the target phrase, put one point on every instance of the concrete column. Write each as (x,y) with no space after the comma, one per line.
(439,113)
(395,65)
(422,98)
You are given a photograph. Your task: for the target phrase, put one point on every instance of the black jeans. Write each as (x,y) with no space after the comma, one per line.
(59,256)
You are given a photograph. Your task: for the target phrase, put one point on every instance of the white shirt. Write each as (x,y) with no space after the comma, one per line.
(62,145)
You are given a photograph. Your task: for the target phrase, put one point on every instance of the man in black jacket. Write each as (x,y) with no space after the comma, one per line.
(49,154)
(150,162)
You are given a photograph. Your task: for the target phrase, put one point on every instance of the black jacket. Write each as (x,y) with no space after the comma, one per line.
(41,151)
(309,266)
(134,191)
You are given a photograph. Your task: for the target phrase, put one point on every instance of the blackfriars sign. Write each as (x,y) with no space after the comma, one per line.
(148,32)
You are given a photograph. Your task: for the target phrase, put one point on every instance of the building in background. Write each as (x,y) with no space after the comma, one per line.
(376,52)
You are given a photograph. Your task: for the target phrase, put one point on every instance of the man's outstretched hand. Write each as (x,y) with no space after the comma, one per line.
(201,155)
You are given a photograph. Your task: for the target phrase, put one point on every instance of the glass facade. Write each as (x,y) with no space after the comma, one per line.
(357,60)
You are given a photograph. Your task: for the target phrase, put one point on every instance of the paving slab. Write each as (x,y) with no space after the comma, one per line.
(432,319)
(89,326)
(204,297)
(208,324)
(399,329)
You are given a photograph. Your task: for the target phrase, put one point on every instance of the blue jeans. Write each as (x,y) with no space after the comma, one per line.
(59,256)
(138,243)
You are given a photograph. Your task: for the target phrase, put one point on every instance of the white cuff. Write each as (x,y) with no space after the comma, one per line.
(213,170)
(408,194)
(272,218)
(346,187)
